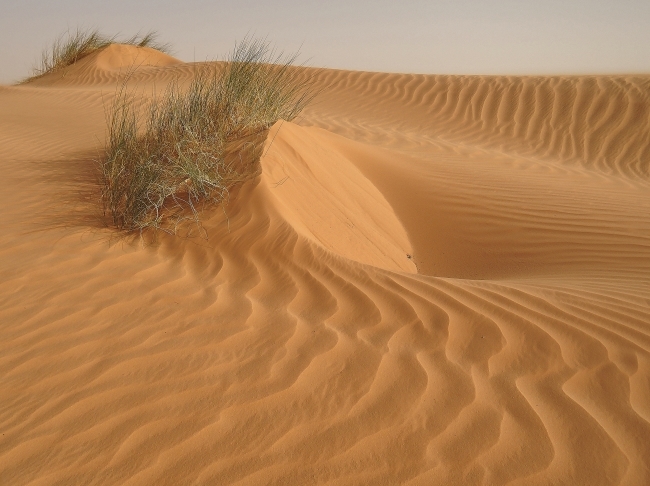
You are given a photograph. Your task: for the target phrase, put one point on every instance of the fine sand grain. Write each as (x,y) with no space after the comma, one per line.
(434,280)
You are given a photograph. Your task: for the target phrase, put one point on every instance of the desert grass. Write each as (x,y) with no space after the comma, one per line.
(71,46)
(166,160)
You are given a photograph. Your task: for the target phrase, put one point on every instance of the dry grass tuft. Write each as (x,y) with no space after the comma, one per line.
(188,147)
(71,46)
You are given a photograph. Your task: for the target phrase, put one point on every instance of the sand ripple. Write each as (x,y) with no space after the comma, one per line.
(299,343)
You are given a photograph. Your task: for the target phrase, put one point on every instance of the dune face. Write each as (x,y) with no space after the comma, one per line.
(434,280)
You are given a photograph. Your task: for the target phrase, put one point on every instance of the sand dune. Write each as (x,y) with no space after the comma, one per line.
(434,280)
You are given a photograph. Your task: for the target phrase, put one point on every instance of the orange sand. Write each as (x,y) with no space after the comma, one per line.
(435,280)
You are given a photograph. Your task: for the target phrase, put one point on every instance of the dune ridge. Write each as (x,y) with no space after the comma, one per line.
(598,122)
(471,307)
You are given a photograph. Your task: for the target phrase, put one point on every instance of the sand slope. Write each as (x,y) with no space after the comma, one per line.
(435,280)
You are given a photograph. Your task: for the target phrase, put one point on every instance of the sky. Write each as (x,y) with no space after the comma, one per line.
(414,36)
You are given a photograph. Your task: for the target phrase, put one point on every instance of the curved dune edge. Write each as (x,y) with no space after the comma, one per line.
(327,199)
(276,352)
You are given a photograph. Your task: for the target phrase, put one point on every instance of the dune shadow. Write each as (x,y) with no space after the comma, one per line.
(72,193)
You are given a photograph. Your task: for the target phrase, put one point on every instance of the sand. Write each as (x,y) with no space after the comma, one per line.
(434,280)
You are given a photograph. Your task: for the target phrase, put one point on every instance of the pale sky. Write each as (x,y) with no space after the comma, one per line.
(436,36)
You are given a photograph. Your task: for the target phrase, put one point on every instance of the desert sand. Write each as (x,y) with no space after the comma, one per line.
(434,280)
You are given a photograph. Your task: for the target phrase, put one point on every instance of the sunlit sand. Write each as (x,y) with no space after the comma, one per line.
(433,280)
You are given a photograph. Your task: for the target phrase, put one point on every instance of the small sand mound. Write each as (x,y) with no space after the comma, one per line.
(107,65)
(120,56)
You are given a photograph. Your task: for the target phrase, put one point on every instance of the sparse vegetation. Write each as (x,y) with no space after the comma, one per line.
(189,146)
(71,46)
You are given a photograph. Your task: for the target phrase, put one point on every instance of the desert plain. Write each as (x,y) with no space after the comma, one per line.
(434,279)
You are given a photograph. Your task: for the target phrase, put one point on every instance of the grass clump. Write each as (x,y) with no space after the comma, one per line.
(71,46)
(188,147)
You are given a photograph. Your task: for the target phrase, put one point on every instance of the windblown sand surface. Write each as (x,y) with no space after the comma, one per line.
(435,280)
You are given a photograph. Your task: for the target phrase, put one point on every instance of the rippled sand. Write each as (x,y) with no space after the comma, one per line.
(435,280)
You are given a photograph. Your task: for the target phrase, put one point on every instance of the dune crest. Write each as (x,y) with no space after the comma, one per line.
(297,343)
(326,198)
